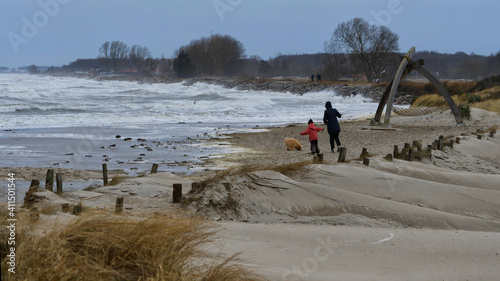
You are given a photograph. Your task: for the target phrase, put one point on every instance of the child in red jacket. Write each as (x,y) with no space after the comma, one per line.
(312,131)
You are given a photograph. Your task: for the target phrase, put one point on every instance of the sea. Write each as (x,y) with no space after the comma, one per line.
(81,123)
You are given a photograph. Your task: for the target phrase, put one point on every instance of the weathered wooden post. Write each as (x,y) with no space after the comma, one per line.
(65,207)
(492,133)
(411,155)
(77,209)
(451,144)
(417,144)
(396,152)
(320,158)
(366,161)
(59,183)
(177,193)
(479,137)
(315,159)
(342,154)
(154,169)
(35,183)
(388,157)
(119,205)
(435,144)
(429,151)
(441,143)
(457,140)
(364,153)
(105,173)
(49,180)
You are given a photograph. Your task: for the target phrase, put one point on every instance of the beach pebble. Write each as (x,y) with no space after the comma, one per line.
(118,136)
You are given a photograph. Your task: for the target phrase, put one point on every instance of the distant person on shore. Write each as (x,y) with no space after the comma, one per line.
(318,77)
(312,131)
(312,78)
(333,127)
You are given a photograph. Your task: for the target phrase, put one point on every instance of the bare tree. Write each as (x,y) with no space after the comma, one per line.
(369,45)
(138,56)
(104,54)
(118,52)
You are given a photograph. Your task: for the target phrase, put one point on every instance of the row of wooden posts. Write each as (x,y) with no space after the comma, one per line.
(409,152)
(49,185)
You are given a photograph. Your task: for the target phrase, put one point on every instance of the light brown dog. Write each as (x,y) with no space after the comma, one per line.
(292,144)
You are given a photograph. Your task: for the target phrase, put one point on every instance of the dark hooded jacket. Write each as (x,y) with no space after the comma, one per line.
(330,118)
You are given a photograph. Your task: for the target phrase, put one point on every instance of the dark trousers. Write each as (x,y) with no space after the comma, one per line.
(314,146)
(334,138)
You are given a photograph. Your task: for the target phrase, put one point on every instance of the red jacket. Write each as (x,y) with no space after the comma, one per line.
(312,131)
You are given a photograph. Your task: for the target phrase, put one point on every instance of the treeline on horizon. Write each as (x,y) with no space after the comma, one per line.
(357,50)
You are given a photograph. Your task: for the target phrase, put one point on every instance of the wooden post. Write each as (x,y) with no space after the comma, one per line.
(457,140)
(154,169)
(35,183)
(479,136)
(65,207)
(59,183)
(320,158)
(366,161)
(492,133)
(411,155)
(119,205)
(177,193)
(342,154)
(417,144)
(49,180)
(388,157)
(405,153)
(435,144)
(77,209)
(451,144)
(105,173)
(396,152)
(364,152)
(315,160)
(441,143)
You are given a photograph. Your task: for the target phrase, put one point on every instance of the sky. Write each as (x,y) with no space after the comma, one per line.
(57,32)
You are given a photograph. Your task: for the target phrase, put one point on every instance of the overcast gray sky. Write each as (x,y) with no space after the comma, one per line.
(56,32)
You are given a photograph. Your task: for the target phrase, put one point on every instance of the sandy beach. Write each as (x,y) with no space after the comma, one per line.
(434,219)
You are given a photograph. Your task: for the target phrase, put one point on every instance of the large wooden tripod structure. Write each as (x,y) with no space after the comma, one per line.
(408,65)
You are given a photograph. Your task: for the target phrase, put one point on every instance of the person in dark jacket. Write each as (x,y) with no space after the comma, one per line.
(333,127)
(312,131)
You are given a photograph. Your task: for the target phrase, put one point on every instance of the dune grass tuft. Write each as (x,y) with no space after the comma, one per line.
(488,99)
(101,246)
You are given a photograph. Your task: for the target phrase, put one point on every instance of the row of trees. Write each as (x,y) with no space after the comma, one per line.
(117,54)
(356,50)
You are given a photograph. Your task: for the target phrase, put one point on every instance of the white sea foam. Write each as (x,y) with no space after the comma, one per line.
(31,101)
